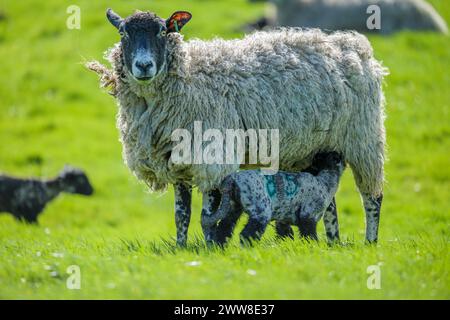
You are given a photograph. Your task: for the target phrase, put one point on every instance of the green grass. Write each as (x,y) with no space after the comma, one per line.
(52,112)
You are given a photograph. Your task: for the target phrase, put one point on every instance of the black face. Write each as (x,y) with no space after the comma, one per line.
(143,39)
(328,160)
(76,181)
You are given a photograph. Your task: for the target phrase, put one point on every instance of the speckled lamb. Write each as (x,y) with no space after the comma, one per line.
(288,198)
(322,91)
(25,199)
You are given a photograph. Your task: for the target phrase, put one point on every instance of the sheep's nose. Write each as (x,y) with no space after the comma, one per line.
(144,66)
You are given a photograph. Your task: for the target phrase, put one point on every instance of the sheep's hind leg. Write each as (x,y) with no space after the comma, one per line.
(211,202)
(365,155)
(183,197)
(372,207)
(330,220)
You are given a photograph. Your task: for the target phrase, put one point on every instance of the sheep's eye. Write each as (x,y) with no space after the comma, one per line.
(162,33)
(122,33)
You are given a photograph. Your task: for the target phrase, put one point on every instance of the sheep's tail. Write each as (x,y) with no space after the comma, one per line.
(108,79)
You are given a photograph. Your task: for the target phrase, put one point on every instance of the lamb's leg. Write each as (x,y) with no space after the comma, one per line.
(27,218)
(227,224)
(307,221)
(27,210)
(372,206)
(254,229)
(183,197)
(259,217)
(211,202)
(284,230)
(330,220)
(308,229)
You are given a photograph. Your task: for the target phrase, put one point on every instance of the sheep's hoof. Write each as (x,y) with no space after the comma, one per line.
(373,242)
(182,243)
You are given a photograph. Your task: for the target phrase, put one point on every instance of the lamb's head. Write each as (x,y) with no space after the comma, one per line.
(329,161)
(144,41)
(74,180)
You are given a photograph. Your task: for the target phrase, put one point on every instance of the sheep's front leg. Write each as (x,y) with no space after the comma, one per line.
(211,202)
(183,197)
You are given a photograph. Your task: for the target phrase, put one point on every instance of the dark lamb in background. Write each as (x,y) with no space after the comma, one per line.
(25,199)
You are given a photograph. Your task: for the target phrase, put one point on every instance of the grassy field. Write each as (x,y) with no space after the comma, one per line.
(52,112)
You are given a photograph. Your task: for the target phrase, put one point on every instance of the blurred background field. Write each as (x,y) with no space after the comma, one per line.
(52,113)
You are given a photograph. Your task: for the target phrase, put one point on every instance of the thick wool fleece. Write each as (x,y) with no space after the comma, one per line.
(323,92)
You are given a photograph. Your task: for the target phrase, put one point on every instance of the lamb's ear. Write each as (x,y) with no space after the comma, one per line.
(177,21)
(67,168)
(114,18)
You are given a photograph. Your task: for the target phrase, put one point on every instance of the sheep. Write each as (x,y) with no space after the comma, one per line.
(323,92)
(395,15)
(25,199)
(288,198)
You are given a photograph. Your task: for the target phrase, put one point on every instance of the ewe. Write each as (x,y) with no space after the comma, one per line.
(323,92)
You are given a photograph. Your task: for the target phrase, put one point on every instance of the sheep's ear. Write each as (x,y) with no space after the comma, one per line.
(114,18)
(177,21)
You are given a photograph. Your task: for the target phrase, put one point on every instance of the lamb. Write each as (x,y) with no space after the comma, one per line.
(323,92)
(288,198)
(25,199)
(395,15)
